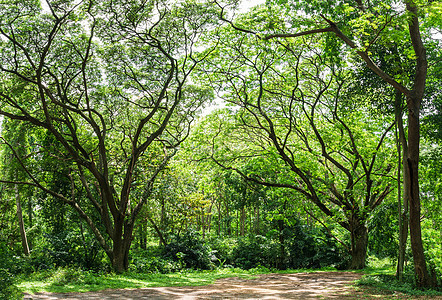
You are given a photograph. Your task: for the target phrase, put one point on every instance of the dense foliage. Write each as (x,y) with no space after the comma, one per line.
(108,164)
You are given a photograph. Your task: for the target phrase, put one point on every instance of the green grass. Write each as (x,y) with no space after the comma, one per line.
(68,280)
(381,276)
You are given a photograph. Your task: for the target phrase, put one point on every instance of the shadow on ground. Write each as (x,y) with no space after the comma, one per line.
(320,285)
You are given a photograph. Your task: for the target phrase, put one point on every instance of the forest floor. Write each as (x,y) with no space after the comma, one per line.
(321,285)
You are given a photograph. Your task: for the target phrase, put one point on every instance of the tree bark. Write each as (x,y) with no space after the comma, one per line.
(359,243)
(24,239)
(243,220)
(120,251)
(412,184)
(403,208)
(413,104)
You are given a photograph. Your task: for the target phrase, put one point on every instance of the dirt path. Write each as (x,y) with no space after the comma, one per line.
(321,285)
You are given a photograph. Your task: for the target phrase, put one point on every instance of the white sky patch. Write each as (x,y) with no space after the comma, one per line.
(247,4)
(45,6)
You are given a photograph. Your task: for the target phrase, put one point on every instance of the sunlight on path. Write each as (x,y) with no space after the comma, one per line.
(320,285)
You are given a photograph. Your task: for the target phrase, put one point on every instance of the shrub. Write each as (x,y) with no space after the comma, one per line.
(222,250)
(190,251)
(255,251)
(67,249)
(145,263)
(8,290)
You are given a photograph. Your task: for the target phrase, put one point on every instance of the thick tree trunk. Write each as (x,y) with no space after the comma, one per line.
(412,184)
(413,104)
(120,256)
(359,243)
(24,239)
(118,262)
(122,240)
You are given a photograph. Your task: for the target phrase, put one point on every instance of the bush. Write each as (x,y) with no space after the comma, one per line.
(190,251)
(222,250)
(295,246)
(255,251)
(8,290)
(67,249)
(143,261)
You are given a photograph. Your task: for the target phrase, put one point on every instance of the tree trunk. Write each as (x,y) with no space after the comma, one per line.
(412,184)
(158,231)
(257,231)
(281,238)
(243,220)
(359,243)
(218,233)
(402,207)
(413,104)
(228,220)
(120,256)
(24,239)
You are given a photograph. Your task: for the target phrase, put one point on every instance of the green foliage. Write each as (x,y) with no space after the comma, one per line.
(390,283)
(190,250)
(8,289)
(68,249)
(252,252)
(297,246)
(151,260)
(383,226)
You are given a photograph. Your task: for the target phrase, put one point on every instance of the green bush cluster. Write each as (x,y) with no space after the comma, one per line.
(151,261)
(300,248)
(190,250)
(67,249)
(8,289)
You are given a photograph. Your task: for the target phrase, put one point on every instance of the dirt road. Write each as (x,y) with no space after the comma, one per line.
(321,285)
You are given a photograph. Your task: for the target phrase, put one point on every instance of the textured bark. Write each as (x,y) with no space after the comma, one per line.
(359,243)
(412,183)
(120,251)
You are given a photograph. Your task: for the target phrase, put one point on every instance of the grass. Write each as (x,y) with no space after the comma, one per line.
(380,275)
(65,280)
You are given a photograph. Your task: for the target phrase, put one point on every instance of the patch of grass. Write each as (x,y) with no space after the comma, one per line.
(380,276)
(65,280)
(389,283)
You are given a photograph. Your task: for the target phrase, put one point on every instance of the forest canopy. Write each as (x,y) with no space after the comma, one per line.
(325,152)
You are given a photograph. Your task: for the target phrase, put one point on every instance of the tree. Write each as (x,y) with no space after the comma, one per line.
(290,108)
(108,82)
(13,171)
(358,26)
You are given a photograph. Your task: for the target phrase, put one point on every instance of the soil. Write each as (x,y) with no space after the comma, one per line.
(320,285)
